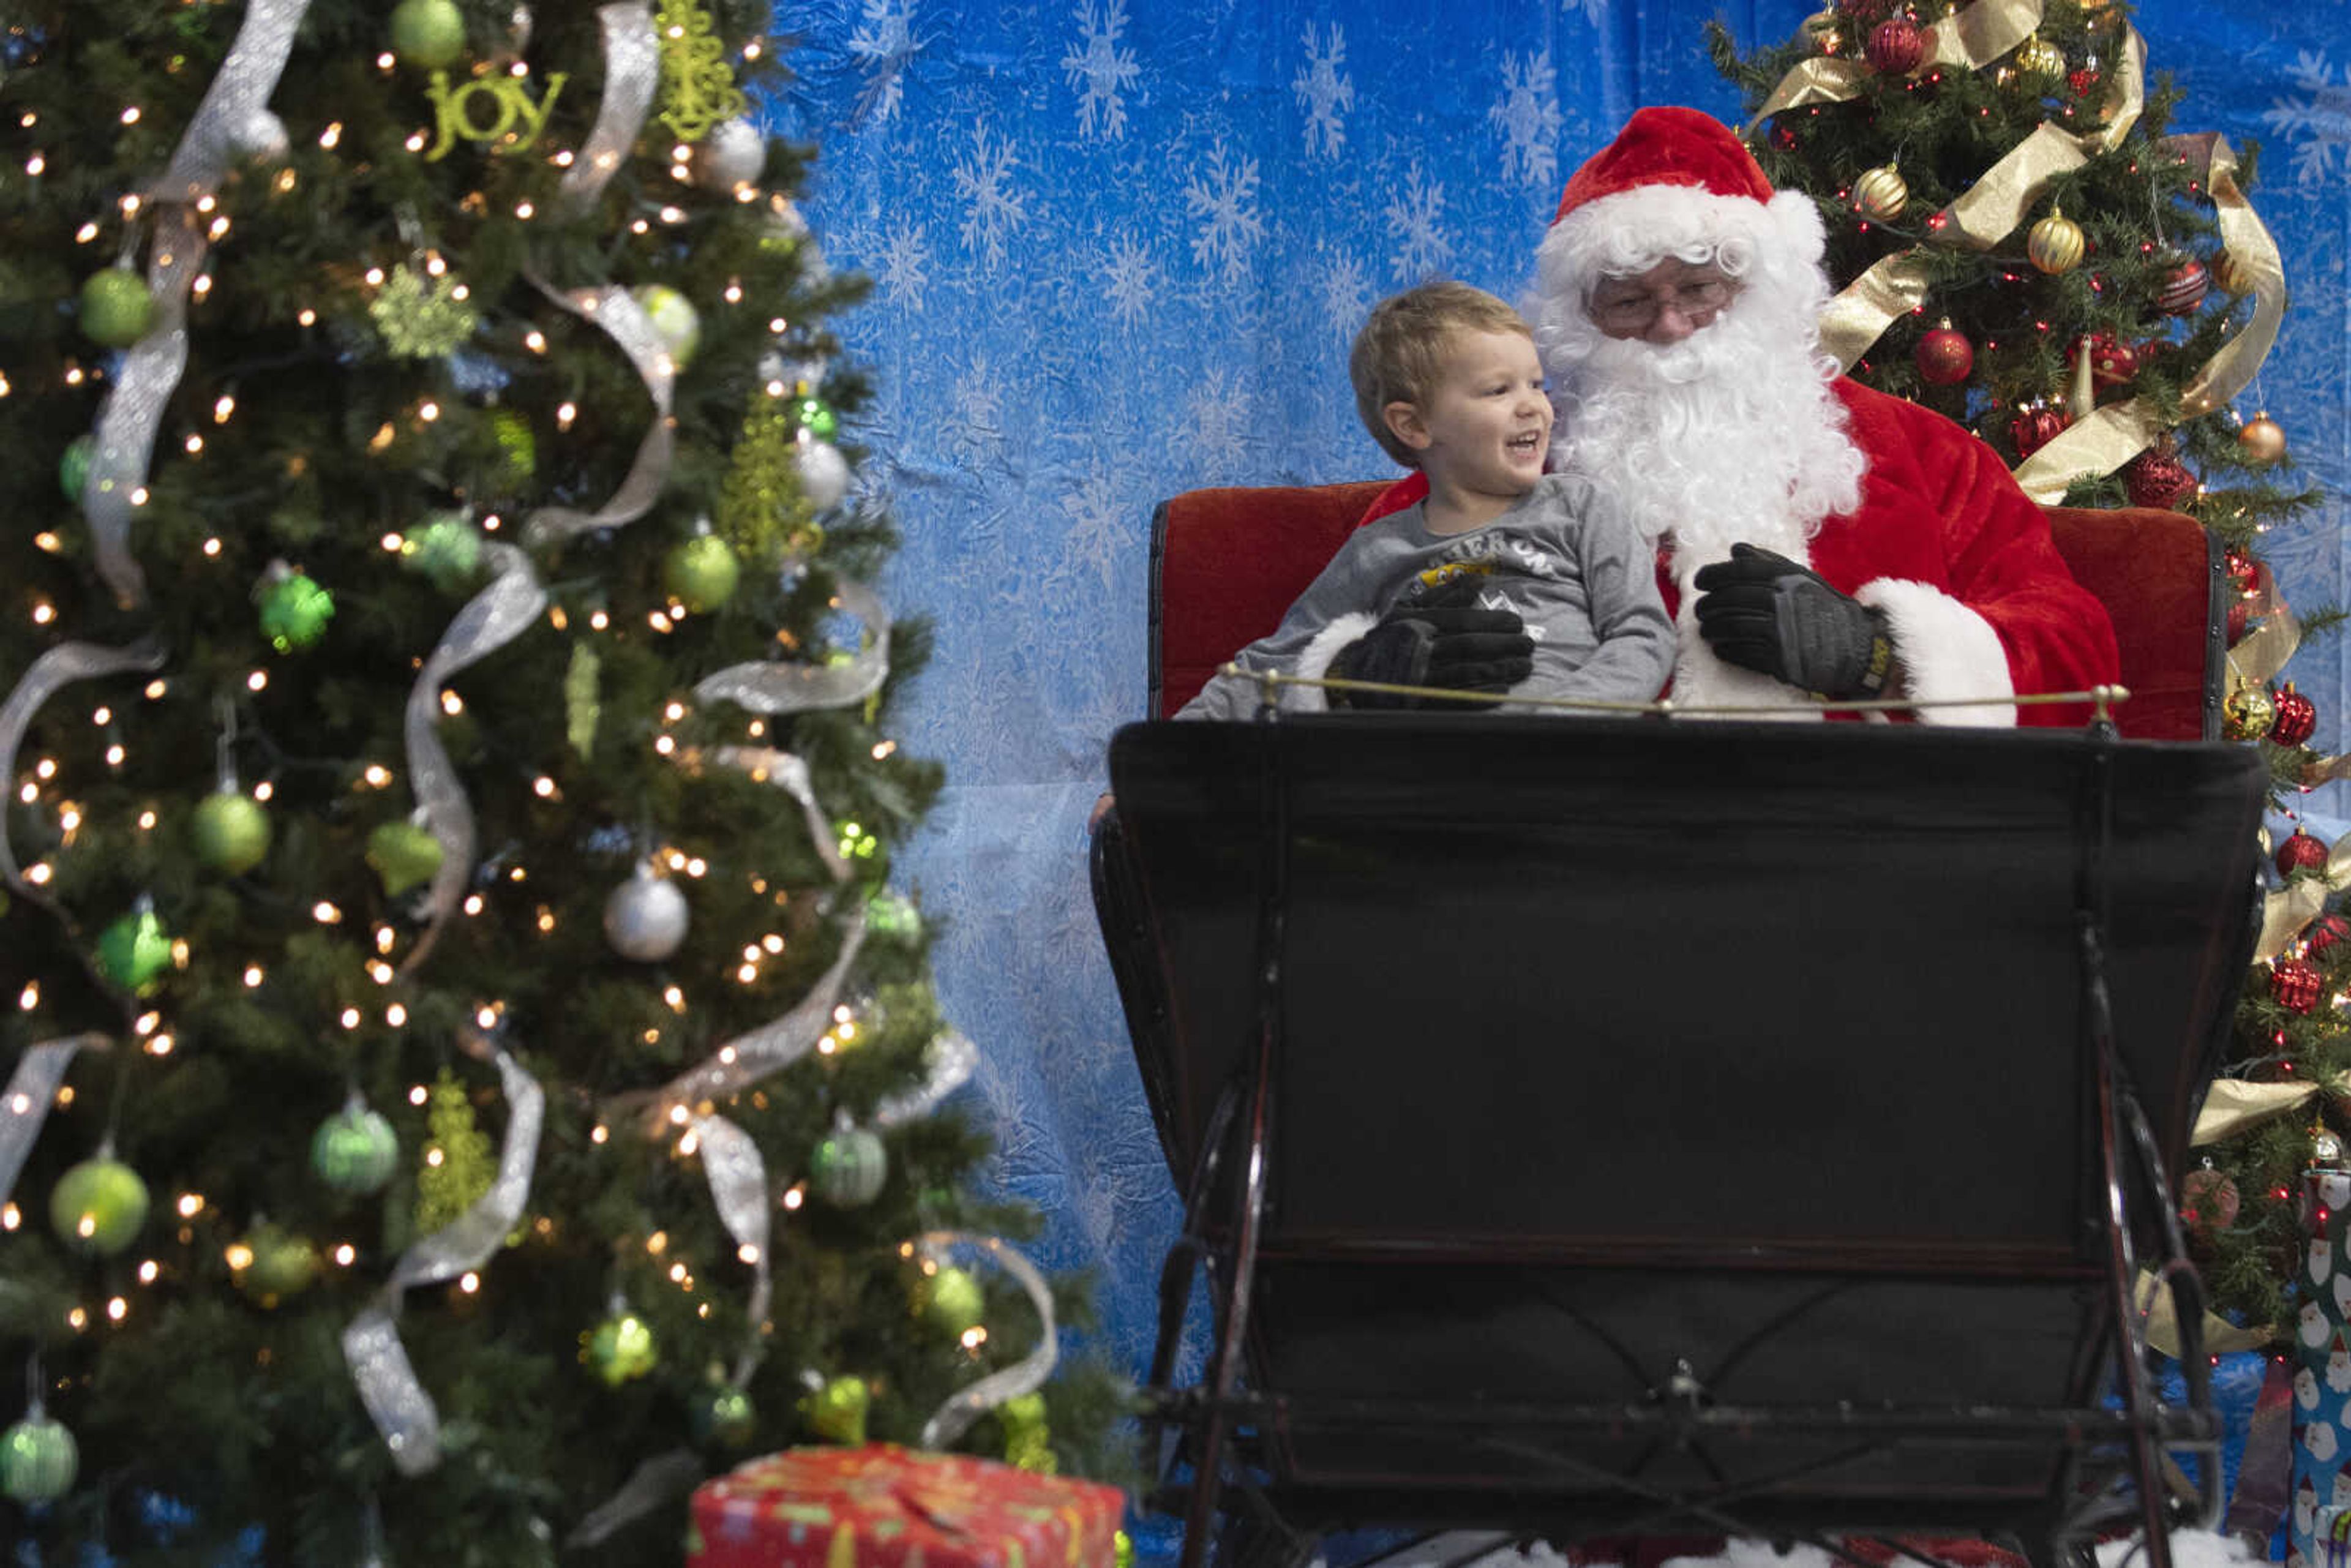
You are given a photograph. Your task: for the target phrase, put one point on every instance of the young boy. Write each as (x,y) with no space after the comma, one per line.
(1447,381)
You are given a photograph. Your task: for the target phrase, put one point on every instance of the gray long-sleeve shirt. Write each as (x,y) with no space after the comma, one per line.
(1564,557)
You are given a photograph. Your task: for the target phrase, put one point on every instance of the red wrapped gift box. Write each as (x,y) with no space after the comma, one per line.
(882,1506)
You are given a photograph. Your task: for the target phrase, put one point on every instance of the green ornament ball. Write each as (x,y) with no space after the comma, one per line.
(674,317)
(428,34)
(724,1417)
(837,1411)
(816,417)
(702,573)
(403,856)
(37,1459)
(73,467)
(277,1264)
(232,832)
(134,952)
(849,1168)
(294,610)
(447,550)
(98,1207)
(622,1348)
(116,309)
(951,1302)
(355,1151)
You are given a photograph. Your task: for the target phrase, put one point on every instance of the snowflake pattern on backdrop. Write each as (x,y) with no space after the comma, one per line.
(1324,91)
(1127,277)
(1528,114)
(1344,291)
(992,208)
(2316,120)
(1100,69)
(1221,197)
(1418,223)
(1081,325)
(884,44)
(901,262)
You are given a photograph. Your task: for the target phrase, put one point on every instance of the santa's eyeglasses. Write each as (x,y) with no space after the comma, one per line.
(1627,308)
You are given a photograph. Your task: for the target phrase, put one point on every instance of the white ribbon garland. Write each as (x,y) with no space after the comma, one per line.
(32,1090)
(952,1060)
(625,322)
(403,1411)
(54,670)
(134,411)
(490,620)
(1026,1375)
(789,773)
(782,688)
(631,76)
(772,1047)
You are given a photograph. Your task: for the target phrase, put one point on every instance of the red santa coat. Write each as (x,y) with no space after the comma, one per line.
(1979,604)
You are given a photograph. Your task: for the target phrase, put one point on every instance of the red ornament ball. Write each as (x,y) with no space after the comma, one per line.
(2241,621)
(2298,716)
(1896,47)
(2326,931)
(2296,985)
(2300,852)
(1945,356)
(2158,479)
(2112,364)
(2182,288)
(2036,426)
(2209,1201)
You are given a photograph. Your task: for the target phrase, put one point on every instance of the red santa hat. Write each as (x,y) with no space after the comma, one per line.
(1675,183)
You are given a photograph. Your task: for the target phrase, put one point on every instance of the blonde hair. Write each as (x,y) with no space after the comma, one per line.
(1399,355)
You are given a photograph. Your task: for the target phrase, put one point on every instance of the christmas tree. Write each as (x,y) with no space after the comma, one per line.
(2022,244)
(468,1078)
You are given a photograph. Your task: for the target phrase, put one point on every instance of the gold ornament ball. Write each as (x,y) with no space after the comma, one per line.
(2248,713)
(2261,440)
(1881,193)
(2055,244)
(2038,62)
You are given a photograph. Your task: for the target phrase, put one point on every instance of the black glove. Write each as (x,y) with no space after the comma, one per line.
(1445,641)
(1765,612)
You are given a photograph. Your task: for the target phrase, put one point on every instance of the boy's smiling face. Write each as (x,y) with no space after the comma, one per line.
(1482,431)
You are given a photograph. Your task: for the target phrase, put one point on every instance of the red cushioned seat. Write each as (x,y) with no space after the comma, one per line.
(1225,563)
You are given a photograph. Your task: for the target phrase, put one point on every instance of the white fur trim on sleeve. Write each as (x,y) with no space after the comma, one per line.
(1322,649)
(1947,651)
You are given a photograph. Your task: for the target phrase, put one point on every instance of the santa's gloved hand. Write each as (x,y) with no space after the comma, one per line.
(1764,613)
(1446,641)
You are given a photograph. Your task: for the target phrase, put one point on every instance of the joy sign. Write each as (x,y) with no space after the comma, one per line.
(463,112)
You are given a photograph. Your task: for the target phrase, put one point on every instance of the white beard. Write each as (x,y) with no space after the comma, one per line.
(1731,435)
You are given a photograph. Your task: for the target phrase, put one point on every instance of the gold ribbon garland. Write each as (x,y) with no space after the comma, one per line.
(1990,209)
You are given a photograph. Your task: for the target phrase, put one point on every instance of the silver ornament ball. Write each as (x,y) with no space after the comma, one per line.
(645,919)
(733,154)
(824,473)
(260,136)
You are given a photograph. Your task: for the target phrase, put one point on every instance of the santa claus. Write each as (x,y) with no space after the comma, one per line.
(1815,538)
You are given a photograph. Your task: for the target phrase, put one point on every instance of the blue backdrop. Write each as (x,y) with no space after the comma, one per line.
(1119,252)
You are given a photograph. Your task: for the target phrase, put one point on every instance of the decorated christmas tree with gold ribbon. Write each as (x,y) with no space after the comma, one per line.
(2020,240)
(468,1078)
